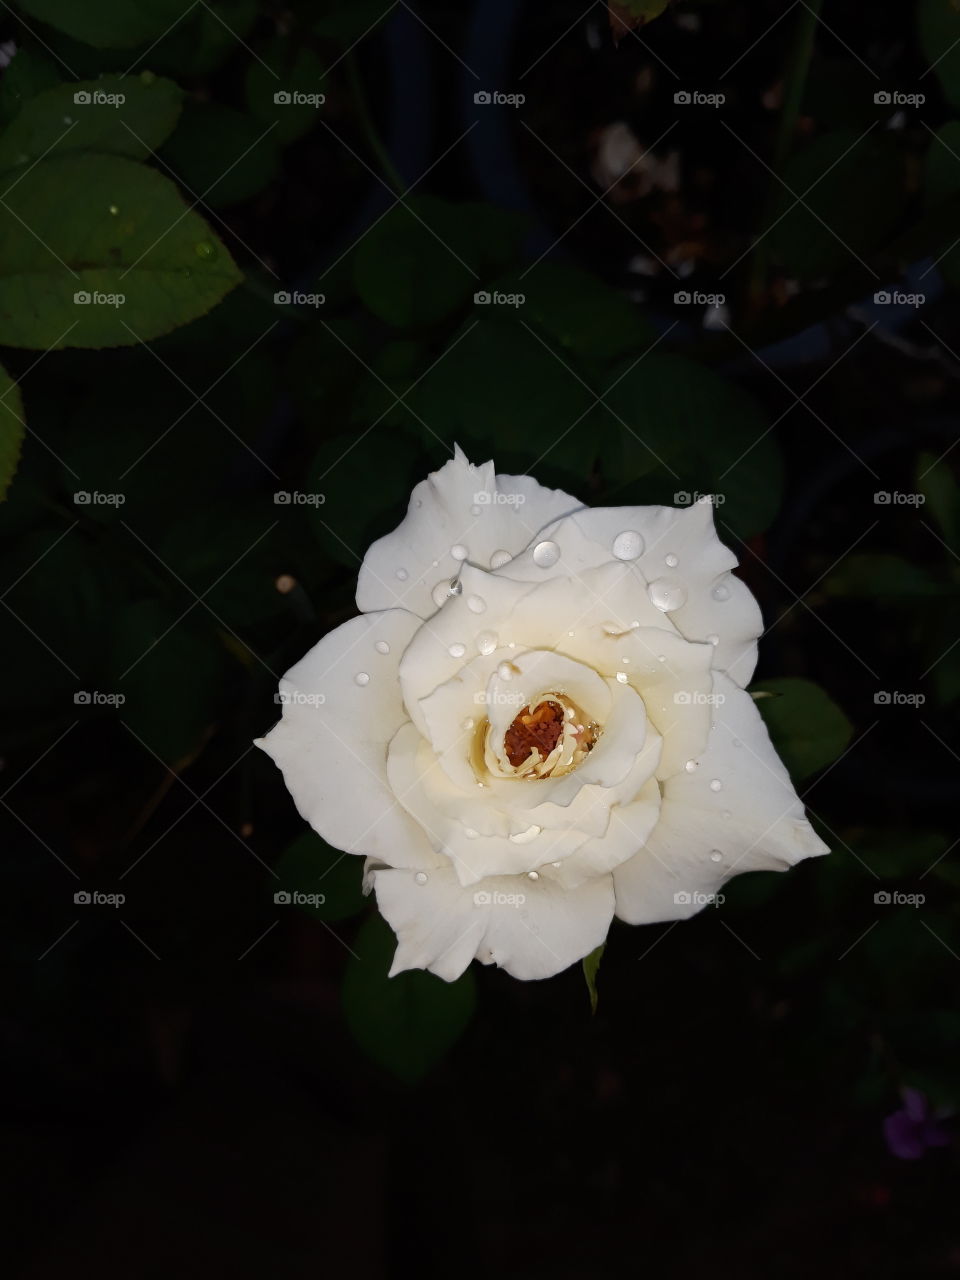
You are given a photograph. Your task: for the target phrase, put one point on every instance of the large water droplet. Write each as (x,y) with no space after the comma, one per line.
(467,724)
(421,877)
(457,650)
(499,559)
(114,209)
(546,554)
(671,561)
(382,647)
(361,678)
(690,766)
(507,670)
(533,875)
(486,642)
(716,856)
(716,784)
(402,575)
(476,604)
(622,677)
(628,545)
(459,551)
(524,837)
(713,638)
(666,594)
(721,591)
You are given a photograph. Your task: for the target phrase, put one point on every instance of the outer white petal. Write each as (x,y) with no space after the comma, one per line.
(717,604)
(459,506)
(331,743)
(629,827)
(441,926)
(754,821)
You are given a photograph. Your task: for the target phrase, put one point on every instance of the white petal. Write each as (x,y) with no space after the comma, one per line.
(754,820)
(441,926)
(331,743)
(460,508)
(629,827)
(680,548)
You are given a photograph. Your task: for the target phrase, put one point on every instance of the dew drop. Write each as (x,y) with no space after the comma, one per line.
(459,551)
(628,545)
(114,209)
(455,588)
(716,784)
(716,856)
(204,249)
(533,875)
(457,650)
(361,678)
(418,503)
(665,594)
(468,724)
(524,837)
(690,766)
(713,638)
(441,593)
(661,657)
(555,864)
(402,575)
(421,877)
(721,591)
(486,642)
(507,670)
(499,559)
(470,833)
(546,554)
(382,647)
(476,604)
(671,561)
(622,677)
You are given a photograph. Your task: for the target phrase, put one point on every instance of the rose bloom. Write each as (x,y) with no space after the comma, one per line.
(538,722)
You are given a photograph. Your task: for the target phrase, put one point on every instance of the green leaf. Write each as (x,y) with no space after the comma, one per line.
(854,189)
(806,726)
(939,30)
(345,24)
(28,73)
(109,24)
(312,867)
(162,259)
(54,122)
(222,156)
(591,965)
(869,574)
(710,437)
(406,1023)
(407,272)
(11,430)
(579,312)
(936,482)
(212,33)
(283,68)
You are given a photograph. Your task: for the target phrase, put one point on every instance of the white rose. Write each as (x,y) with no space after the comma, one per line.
(538,722)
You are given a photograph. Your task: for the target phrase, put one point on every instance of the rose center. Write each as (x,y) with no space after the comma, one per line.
(545,739)
(540,728)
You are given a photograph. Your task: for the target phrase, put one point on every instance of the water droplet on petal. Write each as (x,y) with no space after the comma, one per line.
(555,864)
(716,856)
(661,657)
(716,784)
(470,833)
(457,650)
(665,594)
(546,554)
(690,766)
(533,875)
(628,545)
(721,591)
(402,575)
(671,561)
(468,724)
(499,559)
(361,678)
(524,837)
(486,642)
(382,647)
(713,638)
(441,593)
(421,877)
(507,670)
(459,551)
(476,604)
(622,677)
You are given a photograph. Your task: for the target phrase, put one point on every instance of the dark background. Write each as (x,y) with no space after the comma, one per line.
(199,1080)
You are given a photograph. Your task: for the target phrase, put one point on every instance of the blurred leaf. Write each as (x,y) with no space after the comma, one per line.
(222,156)
(11,430)
(876,573)
(29,72)
(941,181)
(407,1023)
(855,187)
(407,272)
(806,726)
(212,32)
(499,391)
(591,966)
(345,24)
(936,482)
(283,67)
(135,128)
(704,430)
(170,674)
(939,30)
(311,866)
(162,258)
(110,24)
(628,15)
(579,312)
